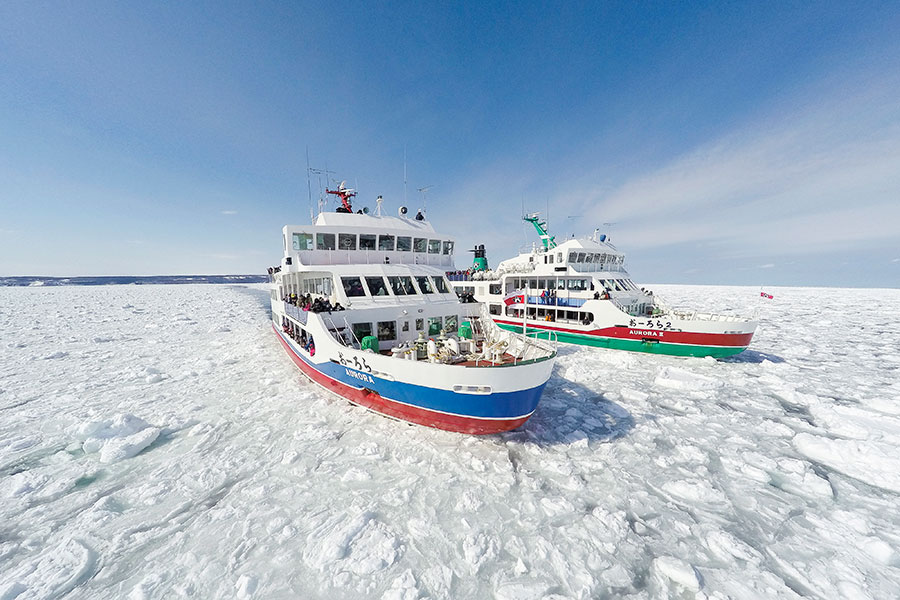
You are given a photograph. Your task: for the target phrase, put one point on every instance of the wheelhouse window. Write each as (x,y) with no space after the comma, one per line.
(352,287)
(397,286)
(440,285)
(324,241)
(434,325)
(320,286)
(404,244)
(361,330)
(589,258)
(434,246)
(572,256)
(377,286)
(387,330)
(407,284)
(448,247)
(420,245)
(424,285)
(450,323)
(580,257)
(367,241)
(347,241)
(303,241)
(386,243)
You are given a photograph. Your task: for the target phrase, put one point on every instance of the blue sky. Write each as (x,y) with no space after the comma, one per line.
(733,143)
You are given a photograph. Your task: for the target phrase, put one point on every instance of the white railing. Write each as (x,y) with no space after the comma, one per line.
(371,257)
(522,347)
(596,268)
(702,316)
(335,330)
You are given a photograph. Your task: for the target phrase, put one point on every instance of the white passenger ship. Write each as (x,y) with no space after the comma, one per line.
(580,291)
(362,306)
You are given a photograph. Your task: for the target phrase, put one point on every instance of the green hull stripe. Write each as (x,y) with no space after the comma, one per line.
(633,345)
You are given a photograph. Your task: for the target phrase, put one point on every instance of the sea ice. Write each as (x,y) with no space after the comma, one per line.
(156,442)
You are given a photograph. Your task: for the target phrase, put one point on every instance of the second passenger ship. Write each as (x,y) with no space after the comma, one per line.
(362,306)
(580,291)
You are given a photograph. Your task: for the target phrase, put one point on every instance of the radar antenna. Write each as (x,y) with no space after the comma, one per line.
(541,227)
(344,193)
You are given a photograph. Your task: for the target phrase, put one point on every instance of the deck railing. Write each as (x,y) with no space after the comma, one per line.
(522,347)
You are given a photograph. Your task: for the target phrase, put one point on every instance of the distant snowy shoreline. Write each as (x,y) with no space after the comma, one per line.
(128,280)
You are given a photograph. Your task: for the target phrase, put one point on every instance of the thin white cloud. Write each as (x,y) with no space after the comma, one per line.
(795,184)
(229,212)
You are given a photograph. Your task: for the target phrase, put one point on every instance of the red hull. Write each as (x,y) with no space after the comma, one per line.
(404,412)
(663,335)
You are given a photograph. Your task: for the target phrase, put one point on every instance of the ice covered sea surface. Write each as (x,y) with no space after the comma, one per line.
(156,442)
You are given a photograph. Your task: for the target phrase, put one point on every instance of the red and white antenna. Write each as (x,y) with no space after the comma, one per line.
(344,193)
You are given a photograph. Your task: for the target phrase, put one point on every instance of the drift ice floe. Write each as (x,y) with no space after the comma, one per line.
(580,292)
(361,304)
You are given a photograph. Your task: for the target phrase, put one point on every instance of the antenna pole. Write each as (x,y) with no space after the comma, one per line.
(424,192)
(309,189)
(548,213)
(404,175)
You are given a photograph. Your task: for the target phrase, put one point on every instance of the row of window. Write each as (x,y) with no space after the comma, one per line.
(370,241)
(552,283)
(320,286)
(583,257)
(618,285)
(562,283)
(591,257)
(551,314)
(398,285)
(387,330)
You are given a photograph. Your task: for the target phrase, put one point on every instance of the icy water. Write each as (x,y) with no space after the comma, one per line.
(156,442)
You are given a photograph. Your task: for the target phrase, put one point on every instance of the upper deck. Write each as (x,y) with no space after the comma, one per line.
(362,239)
(574,256)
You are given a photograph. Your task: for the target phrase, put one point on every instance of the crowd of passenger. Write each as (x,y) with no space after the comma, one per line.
(299,335)
(307,302)
(460,275)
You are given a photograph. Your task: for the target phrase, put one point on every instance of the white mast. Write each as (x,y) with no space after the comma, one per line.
(309,189)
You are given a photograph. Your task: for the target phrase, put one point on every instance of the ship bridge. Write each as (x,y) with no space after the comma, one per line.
(361,239)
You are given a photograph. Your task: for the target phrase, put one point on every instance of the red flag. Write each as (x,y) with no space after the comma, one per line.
(514,297)
(765,295)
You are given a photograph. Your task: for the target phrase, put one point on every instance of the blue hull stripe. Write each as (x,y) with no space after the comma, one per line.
(499,405)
